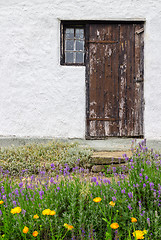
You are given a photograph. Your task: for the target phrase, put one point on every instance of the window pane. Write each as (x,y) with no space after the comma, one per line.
(79,33)
(69,45)
(79,57)
(69,33)
(69,58)
(79,45)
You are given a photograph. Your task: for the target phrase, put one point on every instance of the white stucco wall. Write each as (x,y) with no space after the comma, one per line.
(38,96)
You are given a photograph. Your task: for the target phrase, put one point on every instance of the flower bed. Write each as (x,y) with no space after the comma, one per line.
(71,207)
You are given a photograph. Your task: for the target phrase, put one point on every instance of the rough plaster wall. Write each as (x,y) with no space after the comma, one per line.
(39,97)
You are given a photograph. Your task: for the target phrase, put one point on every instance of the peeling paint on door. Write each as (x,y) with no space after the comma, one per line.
(115,77)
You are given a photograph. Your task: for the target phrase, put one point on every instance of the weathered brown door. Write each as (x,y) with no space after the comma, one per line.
(114,75)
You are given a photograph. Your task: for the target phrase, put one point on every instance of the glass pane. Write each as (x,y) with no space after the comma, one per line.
(79,57)
(79,33)
(69,33)
(69,58)
(79,45)
(69,45)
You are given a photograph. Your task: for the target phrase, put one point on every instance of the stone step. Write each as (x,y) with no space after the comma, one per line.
(100,161)
(101,168)
(107,158)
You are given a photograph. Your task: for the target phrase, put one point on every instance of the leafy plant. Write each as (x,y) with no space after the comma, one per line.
(31,158)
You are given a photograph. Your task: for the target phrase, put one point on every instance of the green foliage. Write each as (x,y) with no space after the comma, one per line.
(35,156)
(137,194)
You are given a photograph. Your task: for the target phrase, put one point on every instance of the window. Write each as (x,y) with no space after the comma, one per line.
(73,42)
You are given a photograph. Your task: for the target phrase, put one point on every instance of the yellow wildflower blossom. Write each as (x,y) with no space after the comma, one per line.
(35,233)
(25,230)
(97,199)
(65,225)
(52,213)
(114,225)
(112,203)
(46,212)
(69,227)
(1,202)
(138,234)
(133,220)
(15,210)
(35,216)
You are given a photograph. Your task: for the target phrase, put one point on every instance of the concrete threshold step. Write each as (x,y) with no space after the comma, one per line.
(100,160)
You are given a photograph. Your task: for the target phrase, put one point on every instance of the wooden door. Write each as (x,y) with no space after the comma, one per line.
(114,75)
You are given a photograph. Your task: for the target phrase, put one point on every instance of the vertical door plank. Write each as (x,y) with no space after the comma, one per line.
(122,81)
(139,76)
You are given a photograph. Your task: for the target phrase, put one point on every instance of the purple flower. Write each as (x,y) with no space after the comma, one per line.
(2,189)
(144,185)
(142,214)
(10,195)
(114,199)
(108,181)
(114,169)
(14,203)
(123,191)
(32,177)
(0,212)
(129,207)
(151,184)
(52,165)
(140,174)
(51,179)
(23,212)
(146,177)
(105,180)
(4,197)
(130,195)
(21,184)
(94,179)
(42,173)
(41,193)
(97,183)
(58,188)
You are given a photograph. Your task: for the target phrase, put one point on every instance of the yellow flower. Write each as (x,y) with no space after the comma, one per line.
(52,213)
(46,212)
(114,225)
(97,199)
(145,231)
(69,227)
(112,203)
(133,220)
(35,233)
(25,230)
(15,210)
(138,234)
(65,225)
(35,216)
(1,202)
